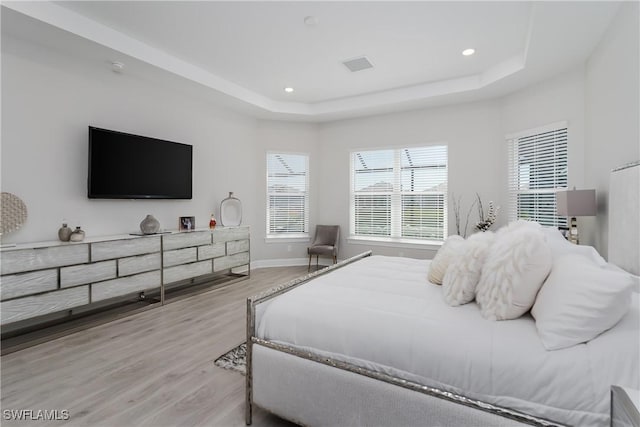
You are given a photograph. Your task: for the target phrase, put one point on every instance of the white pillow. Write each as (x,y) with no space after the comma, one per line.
(579,301)
(440,263)
(462,276)
(560,246)
(516,266)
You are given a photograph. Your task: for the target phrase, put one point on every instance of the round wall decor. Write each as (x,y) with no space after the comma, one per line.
(14,213)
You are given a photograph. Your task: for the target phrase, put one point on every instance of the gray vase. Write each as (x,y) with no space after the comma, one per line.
(64,233)
(149,225)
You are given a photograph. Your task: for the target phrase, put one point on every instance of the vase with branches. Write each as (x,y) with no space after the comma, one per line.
(484,221)
(457,205)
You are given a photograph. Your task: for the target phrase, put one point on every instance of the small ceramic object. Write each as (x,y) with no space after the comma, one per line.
(64,233)
(231,211)
(149,225)
(212,222)
(77,235)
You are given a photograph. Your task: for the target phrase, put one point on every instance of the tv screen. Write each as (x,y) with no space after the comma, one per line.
(125,166)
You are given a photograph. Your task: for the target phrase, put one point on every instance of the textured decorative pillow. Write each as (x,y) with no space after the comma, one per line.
(445,254)
(580,300)
(462,276)
(517,264)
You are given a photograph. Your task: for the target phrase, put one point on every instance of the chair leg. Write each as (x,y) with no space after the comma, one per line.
(335,259)
(317,256)
(309,269)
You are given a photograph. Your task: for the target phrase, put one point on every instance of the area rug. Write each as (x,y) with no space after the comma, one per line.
(234,359)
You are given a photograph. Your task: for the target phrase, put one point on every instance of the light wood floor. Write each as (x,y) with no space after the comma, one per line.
(153,368)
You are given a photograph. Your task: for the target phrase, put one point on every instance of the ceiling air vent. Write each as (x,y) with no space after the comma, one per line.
(358,64)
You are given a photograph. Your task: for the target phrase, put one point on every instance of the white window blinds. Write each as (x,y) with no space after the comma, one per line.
(287,194)
(399,193)
(537,170)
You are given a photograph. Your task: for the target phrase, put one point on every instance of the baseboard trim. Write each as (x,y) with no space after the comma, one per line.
(287,262)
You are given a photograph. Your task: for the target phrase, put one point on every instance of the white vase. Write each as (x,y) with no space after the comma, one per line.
(77,235)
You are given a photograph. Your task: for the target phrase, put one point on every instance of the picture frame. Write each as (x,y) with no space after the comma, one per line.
(187,223)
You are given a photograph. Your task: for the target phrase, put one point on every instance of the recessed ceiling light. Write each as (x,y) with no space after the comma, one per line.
(468,52)
(288,89)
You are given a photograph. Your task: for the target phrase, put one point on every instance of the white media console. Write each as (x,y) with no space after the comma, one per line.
(41,279)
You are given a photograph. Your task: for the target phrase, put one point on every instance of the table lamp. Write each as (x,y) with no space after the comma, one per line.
(574,203)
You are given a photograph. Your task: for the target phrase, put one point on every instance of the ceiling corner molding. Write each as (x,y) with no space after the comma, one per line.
(502,70)
(398,96)
(530,24)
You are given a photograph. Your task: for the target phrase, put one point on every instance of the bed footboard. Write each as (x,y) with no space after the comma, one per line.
(313,393)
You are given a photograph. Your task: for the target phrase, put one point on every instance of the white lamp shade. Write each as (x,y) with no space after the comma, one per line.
(576,203)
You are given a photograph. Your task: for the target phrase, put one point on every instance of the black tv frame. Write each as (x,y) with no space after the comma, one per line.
(187,194)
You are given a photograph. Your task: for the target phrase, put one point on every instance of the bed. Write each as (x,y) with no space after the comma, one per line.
(369,341)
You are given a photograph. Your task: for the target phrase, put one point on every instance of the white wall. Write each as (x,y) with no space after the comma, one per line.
(471,131)
(475,134)
(299,138)
(50,98)
(560,98)
(612,111)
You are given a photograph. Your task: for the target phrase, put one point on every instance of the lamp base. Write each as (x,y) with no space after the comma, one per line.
(573,231)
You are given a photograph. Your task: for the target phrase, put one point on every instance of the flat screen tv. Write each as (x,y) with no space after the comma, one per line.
(125,166)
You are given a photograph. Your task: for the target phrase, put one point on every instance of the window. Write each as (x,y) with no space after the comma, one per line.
(537,170)
(287,195)
(399,194)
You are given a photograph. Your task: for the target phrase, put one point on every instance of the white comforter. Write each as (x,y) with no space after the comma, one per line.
(383,314)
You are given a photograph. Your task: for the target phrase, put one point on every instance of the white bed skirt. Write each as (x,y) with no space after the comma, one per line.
(318,395)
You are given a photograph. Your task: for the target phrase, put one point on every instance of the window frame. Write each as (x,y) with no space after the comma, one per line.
(396,195)
(287,236)
(514,171)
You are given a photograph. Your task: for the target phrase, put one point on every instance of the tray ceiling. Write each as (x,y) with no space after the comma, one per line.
(251,51)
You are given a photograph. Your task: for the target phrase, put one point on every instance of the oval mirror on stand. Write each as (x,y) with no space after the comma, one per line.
(231,211)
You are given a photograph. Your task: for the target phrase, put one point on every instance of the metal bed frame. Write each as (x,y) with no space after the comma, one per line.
(252,340)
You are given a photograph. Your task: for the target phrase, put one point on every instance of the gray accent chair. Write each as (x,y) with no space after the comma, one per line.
(325,243)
